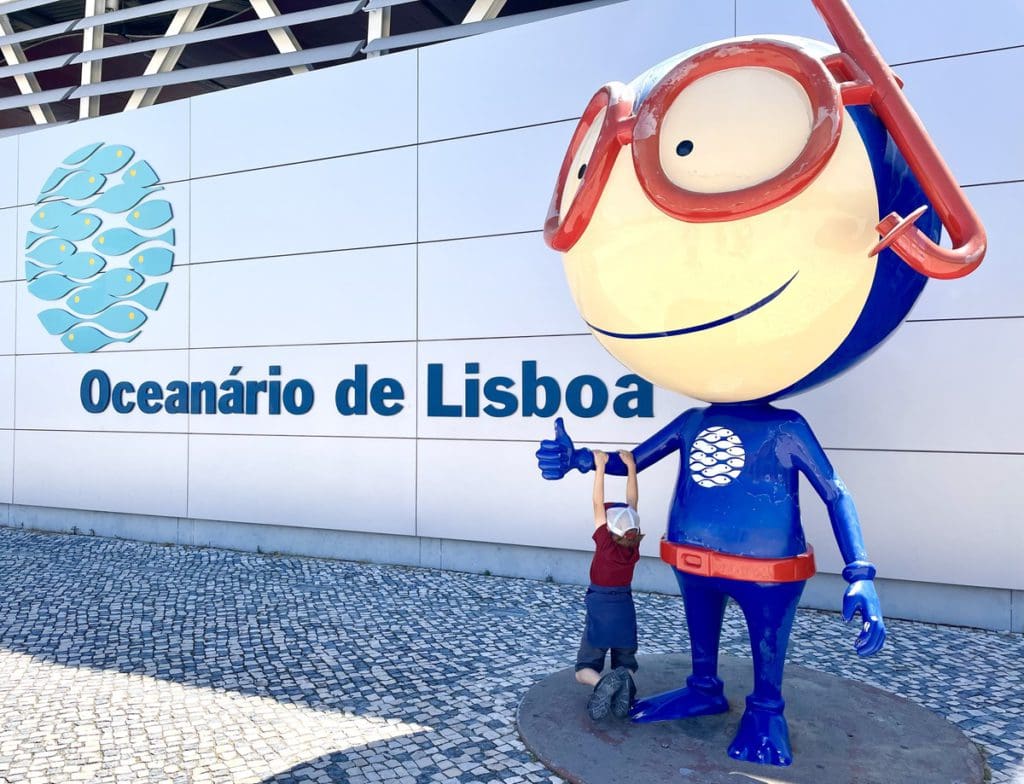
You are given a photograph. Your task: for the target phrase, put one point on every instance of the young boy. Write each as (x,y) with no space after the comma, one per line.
(611,615)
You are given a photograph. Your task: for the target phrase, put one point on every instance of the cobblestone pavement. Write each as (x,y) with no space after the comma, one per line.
(128,662)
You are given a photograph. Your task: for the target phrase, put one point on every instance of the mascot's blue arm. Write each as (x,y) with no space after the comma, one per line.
(661,444)
(808,456)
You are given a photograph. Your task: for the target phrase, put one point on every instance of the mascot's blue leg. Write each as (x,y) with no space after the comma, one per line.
(702,695)
(770,608)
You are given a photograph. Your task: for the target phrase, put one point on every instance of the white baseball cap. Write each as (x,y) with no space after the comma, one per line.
(622,519)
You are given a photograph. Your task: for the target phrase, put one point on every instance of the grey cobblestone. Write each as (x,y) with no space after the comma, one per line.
(126,662)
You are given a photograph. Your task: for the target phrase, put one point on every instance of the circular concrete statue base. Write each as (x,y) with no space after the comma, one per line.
(841,731)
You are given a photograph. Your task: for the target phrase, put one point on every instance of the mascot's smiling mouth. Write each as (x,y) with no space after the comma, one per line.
(699,327)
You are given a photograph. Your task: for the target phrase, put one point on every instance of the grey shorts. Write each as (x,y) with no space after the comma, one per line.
(590,657)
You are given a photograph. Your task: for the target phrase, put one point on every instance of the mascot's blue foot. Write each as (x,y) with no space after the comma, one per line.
(763,737)
(700,697)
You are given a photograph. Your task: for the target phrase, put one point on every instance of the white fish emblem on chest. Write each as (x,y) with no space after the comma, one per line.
(716,457)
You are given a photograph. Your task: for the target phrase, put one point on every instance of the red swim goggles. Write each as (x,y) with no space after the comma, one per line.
(857,75)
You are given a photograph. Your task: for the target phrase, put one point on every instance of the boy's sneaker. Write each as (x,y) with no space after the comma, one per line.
(623,699)
(600,701)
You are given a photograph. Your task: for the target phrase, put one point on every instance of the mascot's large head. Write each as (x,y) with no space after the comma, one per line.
(732,221)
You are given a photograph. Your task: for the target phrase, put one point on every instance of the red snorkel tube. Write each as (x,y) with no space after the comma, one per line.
(865,78)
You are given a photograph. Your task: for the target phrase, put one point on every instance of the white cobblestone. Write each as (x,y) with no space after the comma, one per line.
(125,662)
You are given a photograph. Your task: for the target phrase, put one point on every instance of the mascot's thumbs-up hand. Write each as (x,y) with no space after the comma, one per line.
(556,456)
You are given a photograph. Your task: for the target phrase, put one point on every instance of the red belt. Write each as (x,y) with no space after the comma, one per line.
(710,563)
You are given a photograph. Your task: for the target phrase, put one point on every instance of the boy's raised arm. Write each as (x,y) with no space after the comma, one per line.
(600,460)
(632,487)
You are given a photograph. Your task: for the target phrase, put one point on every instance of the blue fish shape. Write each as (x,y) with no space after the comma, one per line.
(57,321)
(118,282)
(122,197)
(141,174)
(57,176)
(90,301)
(78,265)
(52,251)
(51,287)
(52,214)
(108,159)
(86,339)
(121,318)
(80,185)
(76,227)
(82,153)
(153,261)
(151,215)
(118,241)
(151,296)
(93,300)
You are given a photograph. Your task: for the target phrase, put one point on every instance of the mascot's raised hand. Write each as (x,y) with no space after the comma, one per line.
(557,456)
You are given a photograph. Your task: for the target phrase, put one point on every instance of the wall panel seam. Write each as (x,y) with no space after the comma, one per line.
(416,326)
(188,308)
(489,440)
(17,263)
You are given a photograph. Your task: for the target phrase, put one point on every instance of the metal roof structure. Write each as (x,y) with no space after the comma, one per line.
(63,60)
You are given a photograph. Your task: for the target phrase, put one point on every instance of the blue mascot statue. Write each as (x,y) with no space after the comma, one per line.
(740,223)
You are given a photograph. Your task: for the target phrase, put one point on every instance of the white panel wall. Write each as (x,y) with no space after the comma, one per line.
(158,135)
(498,183)
(7,393)
(911,30)
(558,65)
(10,266)
(338,483)
(354,296)
(369,105)
(995,288)
(509,286)
(350,202)
(138,473)
(48,390)
(387,213)
(932,517)
(8,292)
(6,466)
(9,167)
(965,98)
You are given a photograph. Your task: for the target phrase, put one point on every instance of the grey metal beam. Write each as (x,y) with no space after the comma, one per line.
(423,37)
(378,25)
(483,10)
(13,6)
(284,39)
(183,39)
(272,62)
(253,65)
(92,71)
(27,83)
(39,98)
(186,20)
(113,17)
(375,5)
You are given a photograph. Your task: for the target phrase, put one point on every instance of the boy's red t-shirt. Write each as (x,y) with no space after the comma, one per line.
(613,563)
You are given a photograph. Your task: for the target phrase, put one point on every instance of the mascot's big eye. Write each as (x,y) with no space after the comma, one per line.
(733,129)
(580,161)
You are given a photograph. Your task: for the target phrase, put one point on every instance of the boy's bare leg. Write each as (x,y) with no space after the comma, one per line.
(587,676)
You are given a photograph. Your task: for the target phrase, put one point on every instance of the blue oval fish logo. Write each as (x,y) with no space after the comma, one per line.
(99,235)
